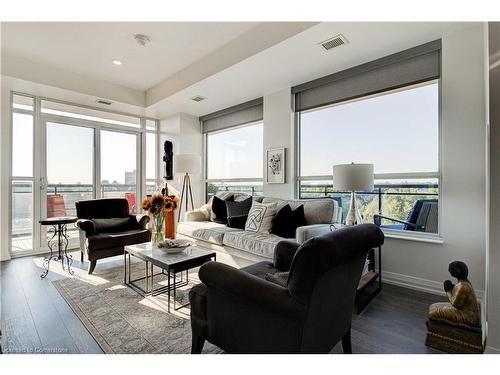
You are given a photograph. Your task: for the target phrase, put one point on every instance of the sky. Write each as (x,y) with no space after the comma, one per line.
(70,152)
(397,132)
(236,153)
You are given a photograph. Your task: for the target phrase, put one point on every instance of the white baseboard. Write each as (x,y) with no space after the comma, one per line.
(491,350)
(412,282)
(420,284)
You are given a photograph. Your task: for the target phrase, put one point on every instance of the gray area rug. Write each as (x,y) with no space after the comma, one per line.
(121,321)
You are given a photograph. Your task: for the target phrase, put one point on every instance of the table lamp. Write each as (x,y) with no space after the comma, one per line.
(187,164)
(353,177)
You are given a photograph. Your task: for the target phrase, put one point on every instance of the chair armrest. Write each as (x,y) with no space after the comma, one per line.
(241,286)
(195,215)
(283,254)
(305,232)
(87,226)
(142,220)
(377,220)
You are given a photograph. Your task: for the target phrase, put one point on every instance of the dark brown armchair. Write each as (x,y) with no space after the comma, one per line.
(241,312)
(106,227)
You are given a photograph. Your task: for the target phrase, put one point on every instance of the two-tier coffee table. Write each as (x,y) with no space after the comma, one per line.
(170,264)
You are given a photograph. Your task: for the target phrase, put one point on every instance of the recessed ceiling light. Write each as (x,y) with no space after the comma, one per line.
(117,62)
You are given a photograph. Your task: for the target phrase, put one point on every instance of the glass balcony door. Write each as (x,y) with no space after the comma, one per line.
(69,172)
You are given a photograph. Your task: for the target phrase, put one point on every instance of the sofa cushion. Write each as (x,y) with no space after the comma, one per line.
(237,213)
(120,239)
(219,210)
(316,211)
(204,230)
(286,221)
(260,217)
(258,243)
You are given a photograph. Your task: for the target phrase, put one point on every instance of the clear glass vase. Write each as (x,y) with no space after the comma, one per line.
(158,234)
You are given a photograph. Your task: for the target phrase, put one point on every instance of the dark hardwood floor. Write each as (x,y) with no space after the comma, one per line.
(36,319)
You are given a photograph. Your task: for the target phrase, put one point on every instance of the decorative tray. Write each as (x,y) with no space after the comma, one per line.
(174,246)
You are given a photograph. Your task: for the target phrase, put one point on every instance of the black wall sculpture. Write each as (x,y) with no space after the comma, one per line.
(168,158)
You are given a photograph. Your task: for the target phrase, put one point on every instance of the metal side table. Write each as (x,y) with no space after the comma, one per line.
(59,238)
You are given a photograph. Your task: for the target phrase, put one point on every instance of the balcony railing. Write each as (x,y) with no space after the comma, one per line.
(394,200)
(250,188)
(22,201)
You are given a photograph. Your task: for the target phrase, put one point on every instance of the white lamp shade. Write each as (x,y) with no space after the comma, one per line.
(187,163)
(353,177)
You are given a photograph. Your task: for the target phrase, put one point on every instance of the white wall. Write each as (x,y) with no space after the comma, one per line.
(494,234)
(463,170)
(184,132)
(278,132)
(419,264)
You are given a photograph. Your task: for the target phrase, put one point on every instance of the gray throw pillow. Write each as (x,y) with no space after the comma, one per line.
(280,278)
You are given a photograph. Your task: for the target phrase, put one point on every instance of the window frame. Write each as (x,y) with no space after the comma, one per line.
(206,180)
(426,237)
(39,117)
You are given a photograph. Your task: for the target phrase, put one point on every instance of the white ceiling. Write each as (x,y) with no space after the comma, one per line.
(88,48)
(259,59)
(299,59)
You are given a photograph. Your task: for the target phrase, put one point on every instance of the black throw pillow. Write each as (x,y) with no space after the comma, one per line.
(286,221)
(237,212)
(219,210)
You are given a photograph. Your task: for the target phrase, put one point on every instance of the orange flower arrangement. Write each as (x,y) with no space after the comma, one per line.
(156,205)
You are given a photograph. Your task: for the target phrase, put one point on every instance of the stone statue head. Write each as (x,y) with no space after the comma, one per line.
(458,270)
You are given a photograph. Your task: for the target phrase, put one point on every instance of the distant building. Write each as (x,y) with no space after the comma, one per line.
(130,178)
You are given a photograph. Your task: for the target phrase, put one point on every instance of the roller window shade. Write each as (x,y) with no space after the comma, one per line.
(412,66)
(241,114)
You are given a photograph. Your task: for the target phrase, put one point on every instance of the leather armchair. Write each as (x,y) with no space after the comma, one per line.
(106,227)
(241,312)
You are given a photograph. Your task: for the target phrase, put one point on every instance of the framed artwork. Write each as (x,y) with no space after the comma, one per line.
(275,161)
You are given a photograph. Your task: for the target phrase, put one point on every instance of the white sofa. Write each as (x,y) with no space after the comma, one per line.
(255,246)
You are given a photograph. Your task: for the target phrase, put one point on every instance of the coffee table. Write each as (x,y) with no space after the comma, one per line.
(170,265)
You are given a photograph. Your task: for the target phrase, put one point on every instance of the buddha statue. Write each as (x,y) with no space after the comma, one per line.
(463,307)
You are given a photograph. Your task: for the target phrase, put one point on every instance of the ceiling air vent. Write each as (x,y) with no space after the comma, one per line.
(198,98)
(105,102)
(336,41)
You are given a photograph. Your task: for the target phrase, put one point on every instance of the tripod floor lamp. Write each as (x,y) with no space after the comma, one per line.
(187,164)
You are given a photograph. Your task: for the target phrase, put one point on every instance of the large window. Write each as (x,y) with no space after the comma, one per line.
(397,131)
(234,160)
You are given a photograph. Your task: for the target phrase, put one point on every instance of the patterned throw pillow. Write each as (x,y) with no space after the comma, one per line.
(237,213)
(260,218)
